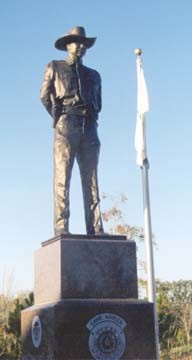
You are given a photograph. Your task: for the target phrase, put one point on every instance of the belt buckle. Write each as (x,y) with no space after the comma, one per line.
(84,112)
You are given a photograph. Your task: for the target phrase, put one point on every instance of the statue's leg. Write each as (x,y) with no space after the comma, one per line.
(64,154)
(88,157)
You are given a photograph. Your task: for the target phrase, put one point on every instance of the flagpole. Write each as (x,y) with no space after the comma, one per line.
(144,164)
(148,232)
(149,249)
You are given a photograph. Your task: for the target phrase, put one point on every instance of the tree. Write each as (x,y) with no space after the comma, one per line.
(10,328)
(14,321)
(29,300)
(14,328)
(114,217)
(181,297)
(175,318)
(6,305)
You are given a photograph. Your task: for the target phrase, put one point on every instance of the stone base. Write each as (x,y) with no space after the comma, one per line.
(89,329)
(85,267)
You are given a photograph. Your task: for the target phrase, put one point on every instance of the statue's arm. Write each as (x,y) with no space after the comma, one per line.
(99,96)
(97,92)
(47,87)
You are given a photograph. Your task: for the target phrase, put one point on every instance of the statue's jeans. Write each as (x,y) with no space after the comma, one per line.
(76,138)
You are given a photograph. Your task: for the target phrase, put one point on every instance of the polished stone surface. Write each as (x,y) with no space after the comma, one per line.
(70,236)
(66,336)
(84,267)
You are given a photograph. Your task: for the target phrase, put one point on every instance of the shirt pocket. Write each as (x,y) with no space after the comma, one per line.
(70,84)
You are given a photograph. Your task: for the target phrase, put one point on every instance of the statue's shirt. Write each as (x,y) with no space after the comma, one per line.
(70,84)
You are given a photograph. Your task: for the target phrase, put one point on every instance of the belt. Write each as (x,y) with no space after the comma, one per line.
(66,109)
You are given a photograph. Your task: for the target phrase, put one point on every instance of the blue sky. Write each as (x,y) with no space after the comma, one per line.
(163,30)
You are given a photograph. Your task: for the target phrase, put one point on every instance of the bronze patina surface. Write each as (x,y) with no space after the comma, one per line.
(71,93)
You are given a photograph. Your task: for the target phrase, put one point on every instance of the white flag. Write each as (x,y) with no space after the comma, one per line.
(142,108)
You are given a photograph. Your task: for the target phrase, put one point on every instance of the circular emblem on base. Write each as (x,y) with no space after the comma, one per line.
(107,338)
(36,331)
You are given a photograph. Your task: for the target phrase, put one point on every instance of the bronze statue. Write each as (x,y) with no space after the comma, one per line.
(71,93)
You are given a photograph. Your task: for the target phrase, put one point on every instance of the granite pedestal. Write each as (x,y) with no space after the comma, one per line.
(86,303)
(85,268)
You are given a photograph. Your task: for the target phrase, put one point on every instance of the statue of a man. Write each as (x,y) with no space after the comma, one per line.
(71,93)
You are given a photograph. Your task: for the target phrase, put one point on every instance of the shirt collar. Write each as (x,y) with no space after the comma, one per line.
(71,62)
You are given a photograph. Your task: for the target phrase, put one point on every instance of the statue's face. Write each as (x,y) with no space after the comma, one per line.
(76,49)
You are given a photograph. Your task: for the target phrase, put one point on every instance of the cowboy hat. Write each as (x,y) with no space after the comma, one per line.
(74,35)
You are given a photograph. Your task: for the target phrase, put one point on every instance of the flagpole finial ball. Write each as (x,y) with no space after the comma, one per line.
(138,52)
